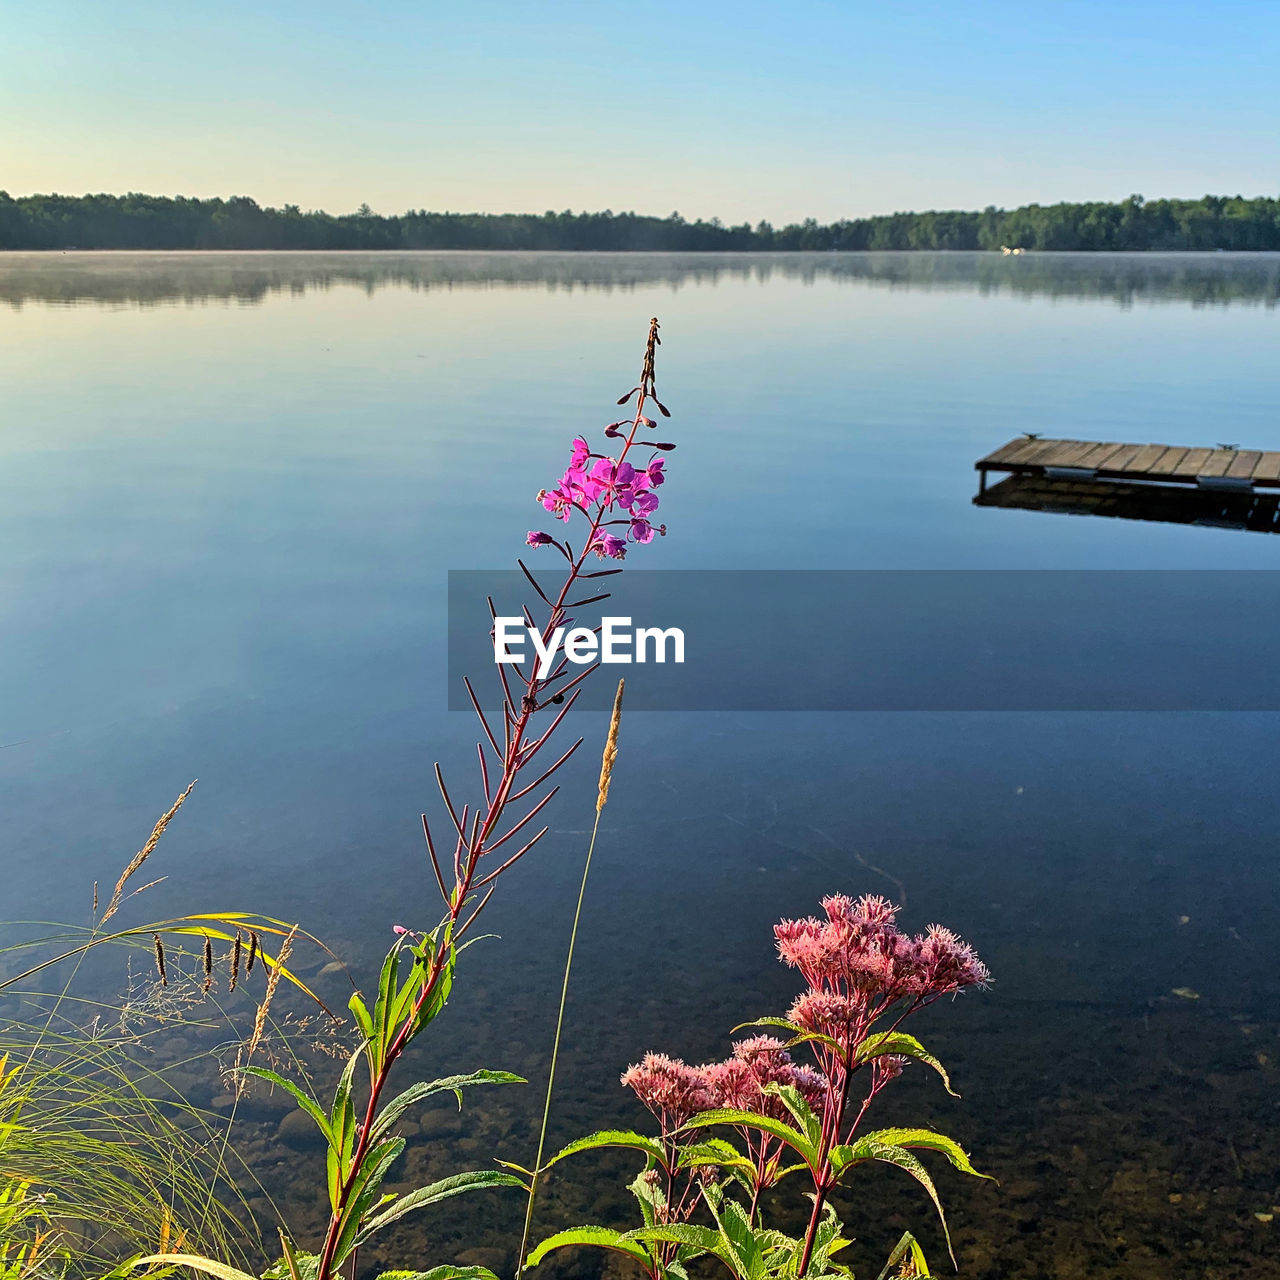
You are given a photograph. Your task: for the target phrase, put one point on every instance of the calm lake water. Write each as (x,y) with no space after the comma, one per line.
(231,487)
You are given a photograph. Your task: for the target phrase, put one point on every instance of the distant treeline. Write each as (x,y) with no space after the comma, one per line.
(160,222)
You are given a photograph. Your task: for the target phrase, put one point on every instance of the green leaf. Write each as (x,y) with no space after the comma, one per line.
(716,1152)
(793,1027)
(742,1241)
(443,986)
(294,1265)
(930,1141)
(441,1273)
(388,984)
(798,1034)
(601,1237)
(766,1124)
(309,1105)
(898,1042)
(456,1185)
(869,1148)
(700,1239)
(220,1270)
(905,1247)
(427,1088)
(613,1138)
(800,1110)
(360,1011)
(363,1196)
(651,1198)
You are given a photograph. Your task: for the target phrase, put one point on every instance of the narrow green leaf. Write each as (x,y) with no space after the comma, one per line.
(309,1105)
(702,1239)
(441,1273)
(716,1152)
(601,1237)
(612,1138)
(898,1042)
(766,1124)
(388,981)
(362,1196)
(905,1247)
(427,1088)
(741,1240)
(360,1012)
(800,1110)
(794,1028)
(456,1185)
(869,1148)
(930,1141)
(210,1267)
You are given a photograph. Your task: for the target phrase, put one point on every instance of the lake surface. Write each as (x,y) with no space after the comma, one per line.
(231,487)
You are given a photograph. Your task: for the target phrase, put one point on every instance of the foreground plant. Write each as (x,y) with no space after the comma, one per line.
(100,1155)
(615,496)
(864,978)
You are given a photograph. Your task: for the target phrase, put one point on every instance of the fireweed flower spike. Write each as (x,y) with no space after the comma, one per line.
(531,710)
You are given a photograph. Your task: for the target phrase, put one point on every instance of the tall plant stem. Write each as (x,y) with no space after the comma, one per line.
(602,797)
(555,1051)
(473,845)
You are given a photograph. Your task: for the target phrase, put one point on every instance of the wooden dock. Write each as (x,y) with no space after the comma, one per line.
(1224,470)
(1254,510)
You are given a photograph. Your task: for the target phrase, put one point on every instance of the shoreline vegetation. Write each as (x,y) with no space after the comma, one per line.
(100,1181)
(140,222)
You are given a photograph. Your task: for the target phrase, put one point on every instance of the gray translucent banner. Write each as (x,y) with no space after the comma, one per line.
(892,640)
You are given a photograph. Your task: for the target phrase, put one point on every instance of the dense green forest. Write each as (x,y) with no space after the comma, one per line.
(159,222)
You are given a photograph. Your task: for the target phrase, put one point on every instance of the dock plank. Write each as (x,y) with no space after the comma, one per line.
(1192,463)
(1072,452)
(1243,464)
(1097,453)
(1218,462)
(1119,459)
(1005,453)
(1268,467)
(1149,453)
(1168,462)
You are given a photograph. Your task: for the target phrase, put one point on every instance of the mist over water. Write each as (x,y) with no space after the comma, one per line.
(232,486)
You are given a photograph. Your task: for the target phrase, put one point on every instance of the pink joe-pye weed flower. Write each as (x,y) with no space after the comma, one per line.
(672,1090)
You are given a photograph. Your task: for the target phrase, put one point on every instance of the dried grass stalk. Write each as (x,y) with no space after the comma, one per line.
(142,855)
(610,750)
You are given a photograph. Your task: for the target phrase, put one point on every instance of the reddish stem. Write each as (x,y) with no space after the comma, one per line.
(514,757)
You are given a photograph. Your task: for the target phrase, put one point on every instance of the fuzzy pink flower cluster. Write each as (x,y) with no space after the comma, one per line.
(674,1091)
(857,963)
(671,1089)
(741,1081)
(592,481)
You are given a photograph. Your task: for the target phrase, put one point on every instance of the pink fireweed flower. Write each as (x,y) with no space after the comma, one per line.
(537,539)
(606,544)
(672,1090)
(643,531)
(643,503)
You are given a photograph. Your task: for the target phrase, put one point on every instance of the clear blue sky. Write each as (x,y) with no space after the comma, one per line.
(739,110)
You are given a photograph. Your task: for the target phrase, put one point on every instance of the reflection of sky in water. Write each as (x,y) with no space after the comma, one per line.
(224,531)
